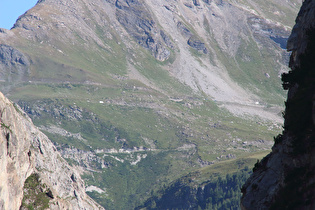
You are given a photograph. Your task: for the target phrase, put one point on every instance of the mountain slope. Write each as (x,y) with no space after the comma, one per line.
(140,93)
(166,31)
(26,152)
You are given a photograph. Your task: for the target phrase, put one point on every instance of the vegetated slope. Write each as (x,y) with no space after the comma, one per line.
(285,178)
(217,193)
(139,93)
(33,174)
(213,187)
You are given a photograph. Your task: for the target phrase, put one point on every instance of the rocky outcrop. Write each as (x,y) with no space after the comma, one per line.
(197,44)
(25,152)
(193,41)
(139,23)
(285,178)
(14,65)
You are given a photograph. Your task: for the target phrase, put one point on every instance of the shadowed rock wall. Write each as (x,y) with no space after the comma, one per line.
(285,179)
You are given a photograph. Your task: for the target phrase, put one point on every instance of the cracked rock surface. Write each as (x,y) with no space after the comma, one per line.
(24,150)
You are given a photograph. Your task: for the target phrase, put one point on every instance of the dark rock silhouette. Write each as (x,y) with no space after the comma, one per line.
(285,178)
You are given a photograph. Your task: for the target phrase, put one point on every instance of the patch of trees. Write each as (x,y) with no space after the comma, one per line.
(219,193)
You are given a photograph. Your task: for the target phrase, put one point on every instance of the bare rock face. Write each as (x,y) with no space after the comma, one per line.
(14,65)
(139,23)
(25,151)
(197,44)
(285,178)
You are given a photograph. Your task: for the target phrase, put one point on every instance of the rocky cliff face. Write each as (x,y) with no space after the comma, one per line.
(285,178)
(26,152)
(14,65)
(139,23)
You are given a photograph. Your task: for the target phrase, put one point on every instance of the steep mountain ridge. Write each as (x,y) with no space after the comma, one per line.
(26,151)
(284,179)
